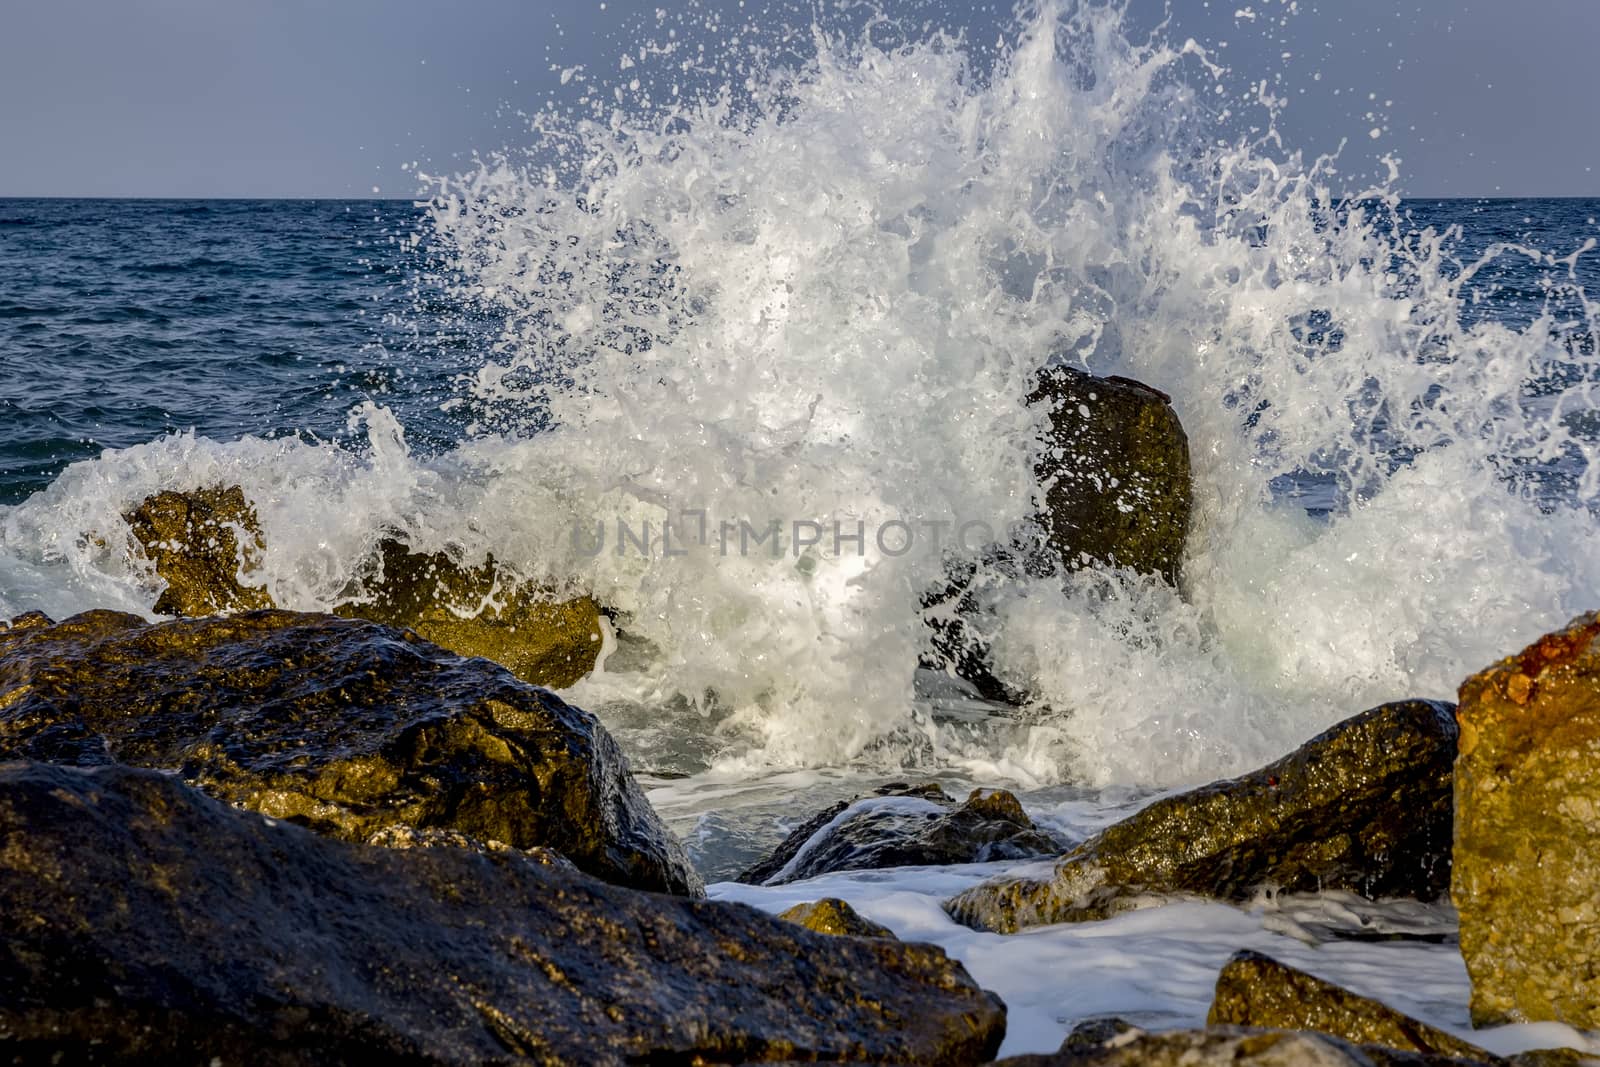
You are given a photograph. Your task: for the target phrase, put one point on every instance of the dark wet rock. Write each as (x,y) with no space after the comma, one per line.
(1116,479)
(483,610)
(1092,1034)
(830,915)
(1116,470)
(146,922)
(404,837)
(1527,831)
(200,544)
(905,828)
(1363,808)
(1257,991)
(341,725)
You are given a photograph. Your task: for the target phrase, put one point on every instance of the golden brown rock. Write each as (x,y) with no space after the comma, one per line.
(1527,831)
(830,915)
(201,543)
(479,611)
(1258,991)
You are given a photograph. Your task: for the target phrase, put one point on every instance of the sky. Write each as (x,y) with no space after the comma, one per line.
(330,98)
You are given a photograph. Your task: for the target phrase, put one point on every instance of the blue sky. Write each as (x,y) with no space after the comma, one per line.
(305,98)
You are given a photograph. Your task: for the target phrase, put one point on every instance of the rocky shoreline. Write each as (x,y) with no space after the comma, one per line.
(248,835)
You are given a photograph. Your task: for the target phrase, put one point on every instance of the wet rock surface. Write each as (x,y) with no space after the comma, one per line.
(479,611)
(905,827)
(147,922)
(1527,832)
(200,543)
(340,725)
(1214,1047)
(830,915)
(1257,991)
(1116,470)
(1364,807)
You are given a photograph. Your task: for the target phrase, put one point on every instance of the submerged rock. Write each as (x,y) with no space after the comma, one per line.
(1116,472)
(1364,807)
(1214,1047)
(146,922)
(479,611)
(1256,990)
(901,827)
(830,915)
(341,725)
(1527,833)
(201,543)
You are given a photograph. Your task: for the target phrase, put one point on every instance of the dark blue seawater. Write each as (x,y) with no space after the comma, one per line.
(124,320)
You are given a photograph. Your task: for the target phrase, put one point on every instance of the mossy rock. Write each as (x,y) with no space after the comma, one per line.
(830,915)
(200,544)
(479,611)
(1364,807)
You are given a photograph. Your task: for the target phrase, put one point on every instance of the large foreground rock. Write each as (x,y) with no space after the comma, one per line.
(1364,808)
(340,725)
(1257,991)
(144,921)
(905,827)
(1527,831)
(1116,469)
(479,611)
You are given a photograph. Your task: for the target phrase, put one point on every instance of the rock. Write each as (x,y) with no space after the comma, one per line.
(201,544)
(1092,1034)
(404,837)
(146,922)
(1213,1047)
(830,915)
(1115,473)
(1527,832)
(1363,807)
(341,725)
(901,827)
(1257,991)
(479,611)
(1115,468)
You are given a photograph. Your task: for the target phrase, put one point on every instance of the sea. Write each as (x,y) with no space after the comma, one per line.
(814,300)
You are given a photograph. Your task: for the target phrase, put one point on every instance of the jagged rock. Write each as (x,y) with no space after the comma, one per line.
(1115,466)
(1115,473)
(902,827)
(479,611)
(1527,831)
(1364,808)
(146,922)
(341,725)
(830,915)
(1257,991)
(201,542)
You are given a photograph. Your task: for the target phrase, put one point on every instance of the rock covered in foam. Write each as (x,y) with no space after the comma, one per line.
(147,922)
(200,544)
(1258,991)
(1526,879)
(341,725)
(479,611)
(903,826)
(205,543)
(1364,807)
(1115,467)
